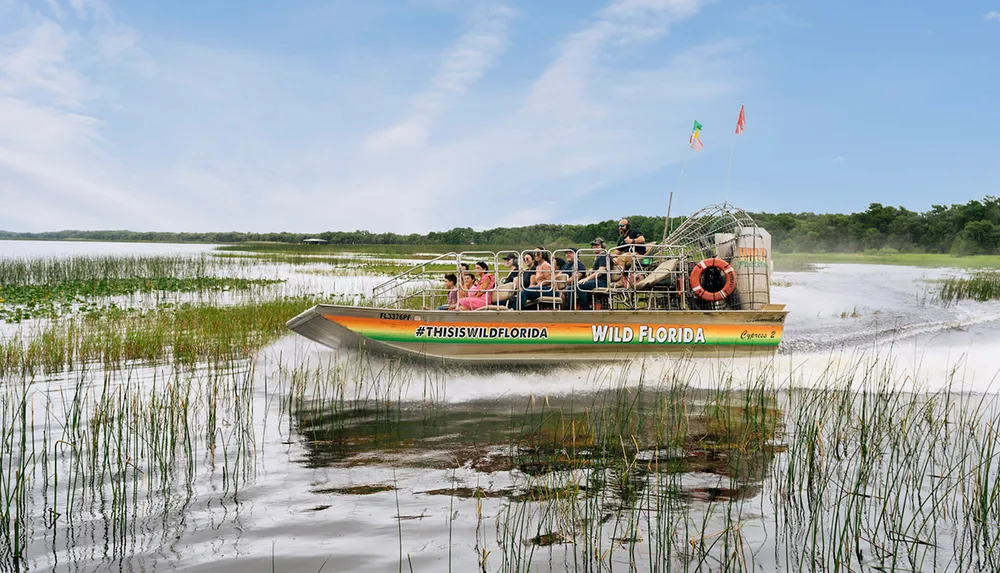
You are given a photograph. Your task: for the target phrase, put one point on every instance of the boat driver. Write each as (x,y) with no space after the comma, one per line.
(630,243)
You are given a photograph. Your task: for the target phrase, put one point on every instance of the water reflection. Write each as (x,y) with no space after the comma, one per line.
(617,443)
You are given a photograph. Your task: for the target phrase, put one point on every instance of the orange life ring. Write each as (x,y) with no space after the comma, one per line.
(726,290)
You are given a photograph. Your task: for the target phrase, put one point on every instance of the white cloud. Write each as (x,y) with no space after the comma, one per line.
(837,159)
(212,139)
(51,160)
(462,65)
(992,15)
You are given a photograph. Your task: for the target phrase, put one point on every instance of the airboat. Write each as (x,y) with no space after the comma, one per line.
(703,291)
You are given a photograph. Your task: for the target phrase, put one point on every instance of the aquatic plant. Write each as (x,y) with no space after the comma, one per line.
(185,333)
(54,270)
(650,471)
(49,287)
(981,286)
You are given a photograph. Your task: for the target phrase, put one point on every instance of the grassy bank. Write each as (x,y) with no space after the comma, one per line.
(794,261)
(375,250)
(903,259)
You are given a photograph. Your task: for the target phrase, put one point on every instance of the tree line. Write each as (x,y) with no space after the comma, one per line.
(962,229)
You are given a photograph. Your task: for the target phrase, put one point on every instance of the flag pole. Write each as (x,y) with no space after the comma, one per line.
(666,224)
(729,170)
(692,141)
(680,181)
(740,122)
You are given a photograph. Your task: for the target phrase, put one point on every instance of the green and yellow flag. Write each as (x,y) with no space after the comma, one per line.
(695,141)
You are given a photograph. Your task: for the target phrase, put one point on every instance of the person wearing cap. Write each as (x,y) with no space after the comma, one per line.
(597,278)
(574,267)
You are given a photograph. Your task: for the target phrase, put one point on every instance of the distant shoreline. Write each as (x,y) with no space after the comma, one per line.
(788,260)
(966,229)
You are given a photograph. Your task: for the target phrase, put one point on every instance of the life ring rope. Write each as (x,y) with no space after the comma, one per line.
(713,296)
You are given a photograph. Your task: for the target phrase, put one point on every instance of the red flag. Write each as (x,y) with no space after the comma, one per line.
(741,123)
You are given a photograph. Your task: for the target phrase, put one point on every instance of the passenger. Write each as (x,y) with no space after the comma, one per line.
(463,270)
(468,281)
(542,278)
(597,278)
(630,243)
(511,261)
(510,284)
(559,282)
(528,274)
(450,283)
(481,293)
(573,267)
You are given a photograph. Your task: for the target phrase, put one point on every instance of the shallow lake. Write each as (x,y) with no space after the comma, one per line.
(309,459)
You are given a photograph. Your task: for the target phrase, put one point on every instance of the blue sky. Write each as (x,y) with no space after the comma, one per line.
(423,115)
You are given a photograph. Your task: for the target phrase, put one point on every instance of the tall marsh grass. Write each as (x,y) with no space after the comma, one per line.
(852,470)
(50,287)
(853,475)
(113,457)
(184,334)
(981,286)
(52,270)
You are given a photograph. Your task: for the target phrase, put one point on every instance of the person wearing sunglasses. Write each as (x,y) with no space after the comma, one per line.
(630,241)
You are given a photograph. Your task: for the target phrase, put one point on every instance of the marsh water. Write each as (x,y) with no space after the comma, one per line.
(867,443)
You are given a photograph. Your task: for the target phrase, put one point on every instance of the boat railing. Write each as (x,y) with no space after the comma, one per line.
(655,279)
(651,277)
(422,286)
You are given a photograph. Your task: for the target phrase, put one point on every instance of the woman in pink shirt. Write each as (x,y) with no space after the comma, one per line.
(481,293)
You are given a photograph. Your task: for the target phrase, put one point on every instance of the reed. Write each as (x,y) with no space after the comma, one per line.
(851,471)
(185,334)
(47,288)
(981,286)
(115,452)
(55,270)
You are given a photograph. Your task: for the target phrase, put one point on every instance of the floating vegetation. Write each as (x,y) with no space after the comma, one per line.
(33,288)
(24,302)
(355,490)
(981,286)
(185,334)
(853,313)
